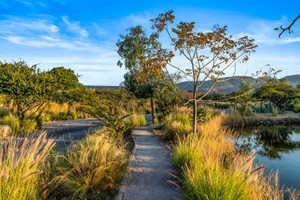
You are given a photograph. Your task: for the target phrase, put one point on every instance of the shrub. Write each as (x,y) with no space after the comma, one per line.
(61,116)
(94,166)
(13,122)
(245,110)
(137,120)
(28,126)
(295,104)
(3,113)
(177,124)
(21,162)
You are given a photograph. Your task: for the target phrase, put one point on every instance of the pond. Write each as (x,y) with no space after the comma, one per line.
(278,147)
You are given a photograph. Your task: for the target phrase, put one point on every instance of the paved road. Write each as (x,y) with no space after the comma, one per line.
(149,170)
(65,133)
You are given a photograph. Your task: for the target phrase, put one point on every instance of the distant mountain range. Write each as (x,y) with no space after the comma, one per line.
(225,87)
(102,87)
(229,86)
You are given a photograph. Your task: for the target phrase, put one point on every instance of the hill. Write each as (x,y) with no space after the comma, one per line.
(223,87)
(102,87)
(231,85)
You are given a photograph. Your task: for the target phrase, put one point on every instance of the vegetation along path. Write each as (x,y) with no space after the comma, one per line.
(149,169)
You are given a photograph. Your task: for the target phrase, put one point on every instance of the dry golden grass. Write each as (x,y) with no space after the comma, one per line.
(21,162)
(95,166)
(235,119)
(209,167)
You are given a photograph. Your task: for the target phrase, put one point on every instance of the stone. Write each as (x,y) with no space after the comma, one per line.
(5,131)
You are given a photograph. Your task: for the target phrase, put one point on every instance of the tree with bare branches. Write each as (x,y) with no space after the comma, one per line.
(287,28)
(209,56)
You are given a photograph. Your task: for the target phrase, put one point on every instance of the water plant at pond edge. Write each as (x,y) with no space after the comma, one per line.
(209,167)
(92,168)
(21,162)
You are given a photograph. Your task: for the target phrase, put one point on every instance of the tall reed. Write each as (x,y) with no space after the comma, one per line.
(21,161)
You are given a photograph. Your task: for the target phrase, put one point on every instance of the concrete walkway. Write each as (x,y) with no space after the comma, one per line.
(149,170)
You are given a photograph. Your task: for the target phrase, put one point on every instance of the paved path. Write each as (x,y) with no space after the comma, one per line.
(149,170)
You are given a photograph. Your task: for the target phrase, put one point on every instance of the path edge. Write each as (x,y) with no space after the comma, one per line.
(121,192)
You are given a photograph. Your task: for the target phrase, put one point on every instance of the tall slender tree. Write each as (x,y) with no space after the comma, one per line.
(133,49)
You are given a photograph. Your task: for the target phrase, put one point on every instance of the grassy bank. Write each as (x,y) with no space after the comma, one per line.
(210,167)
(237,120)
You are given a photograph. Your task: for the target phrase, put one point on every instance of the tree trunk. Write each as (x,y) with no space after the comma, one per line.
(153,110)
(194,116)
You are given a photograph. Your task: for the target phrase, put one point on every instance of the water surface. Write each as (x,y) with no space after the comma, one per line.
(276,146)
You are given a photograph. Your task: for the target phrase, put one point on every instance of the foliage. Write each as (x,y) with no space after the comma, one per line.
(94,167)
(295,104)
(107,112)
(21,162)
(133,48)
(29,90)
(245,110)
(225,52)
(166,101)
(137,120)
(279,93)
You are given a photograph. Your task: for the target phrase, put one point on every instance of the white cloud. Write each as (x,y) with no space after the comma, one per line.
(18,25)
(138,19)
(75,27)
(263,32)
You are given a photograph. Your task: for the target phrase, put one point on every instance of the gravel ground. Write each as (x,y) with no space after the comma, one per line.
(149,169)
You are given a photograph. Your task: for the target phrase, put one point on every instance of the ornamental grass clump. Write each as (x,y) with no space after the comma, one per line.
(21,163)
(93,167)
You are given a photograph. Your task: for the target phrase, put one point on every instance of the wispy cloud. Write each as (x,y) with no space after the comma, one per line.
(263,32)
(45,33)
(137,19)
(75,27)
(18,25)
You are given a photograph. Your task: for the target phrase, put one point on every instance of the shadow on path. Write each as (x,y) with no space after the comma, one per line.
(149,169)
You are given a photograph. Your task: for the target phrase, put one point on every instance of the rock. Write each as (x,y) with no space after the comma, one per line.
(288,112)
(5,131)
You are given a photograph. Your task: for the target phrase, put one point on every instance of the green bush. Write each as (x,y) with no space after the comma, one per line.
(137,120)
(245,110)
(183,118)
(28,126)
(13,122)
(3,113)
(61,116)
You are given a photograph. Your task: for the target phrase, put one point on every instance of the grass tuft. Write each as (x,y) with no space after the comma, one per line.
(21,162)
(94,166)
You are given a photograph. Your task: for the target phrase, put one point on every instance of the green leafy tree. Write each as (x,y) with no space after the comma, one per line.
(278,93)
(29,89)
(133,49)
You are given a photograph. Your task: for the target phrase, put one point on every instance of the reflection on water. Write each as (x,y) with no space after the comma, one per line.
(276,146)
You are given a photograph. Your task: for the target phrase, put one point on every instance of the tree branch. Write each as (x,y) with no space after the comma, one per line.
(289,27)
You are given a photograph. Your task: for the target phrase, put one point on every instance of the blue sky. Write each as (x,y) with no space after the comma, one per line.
(81,34)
